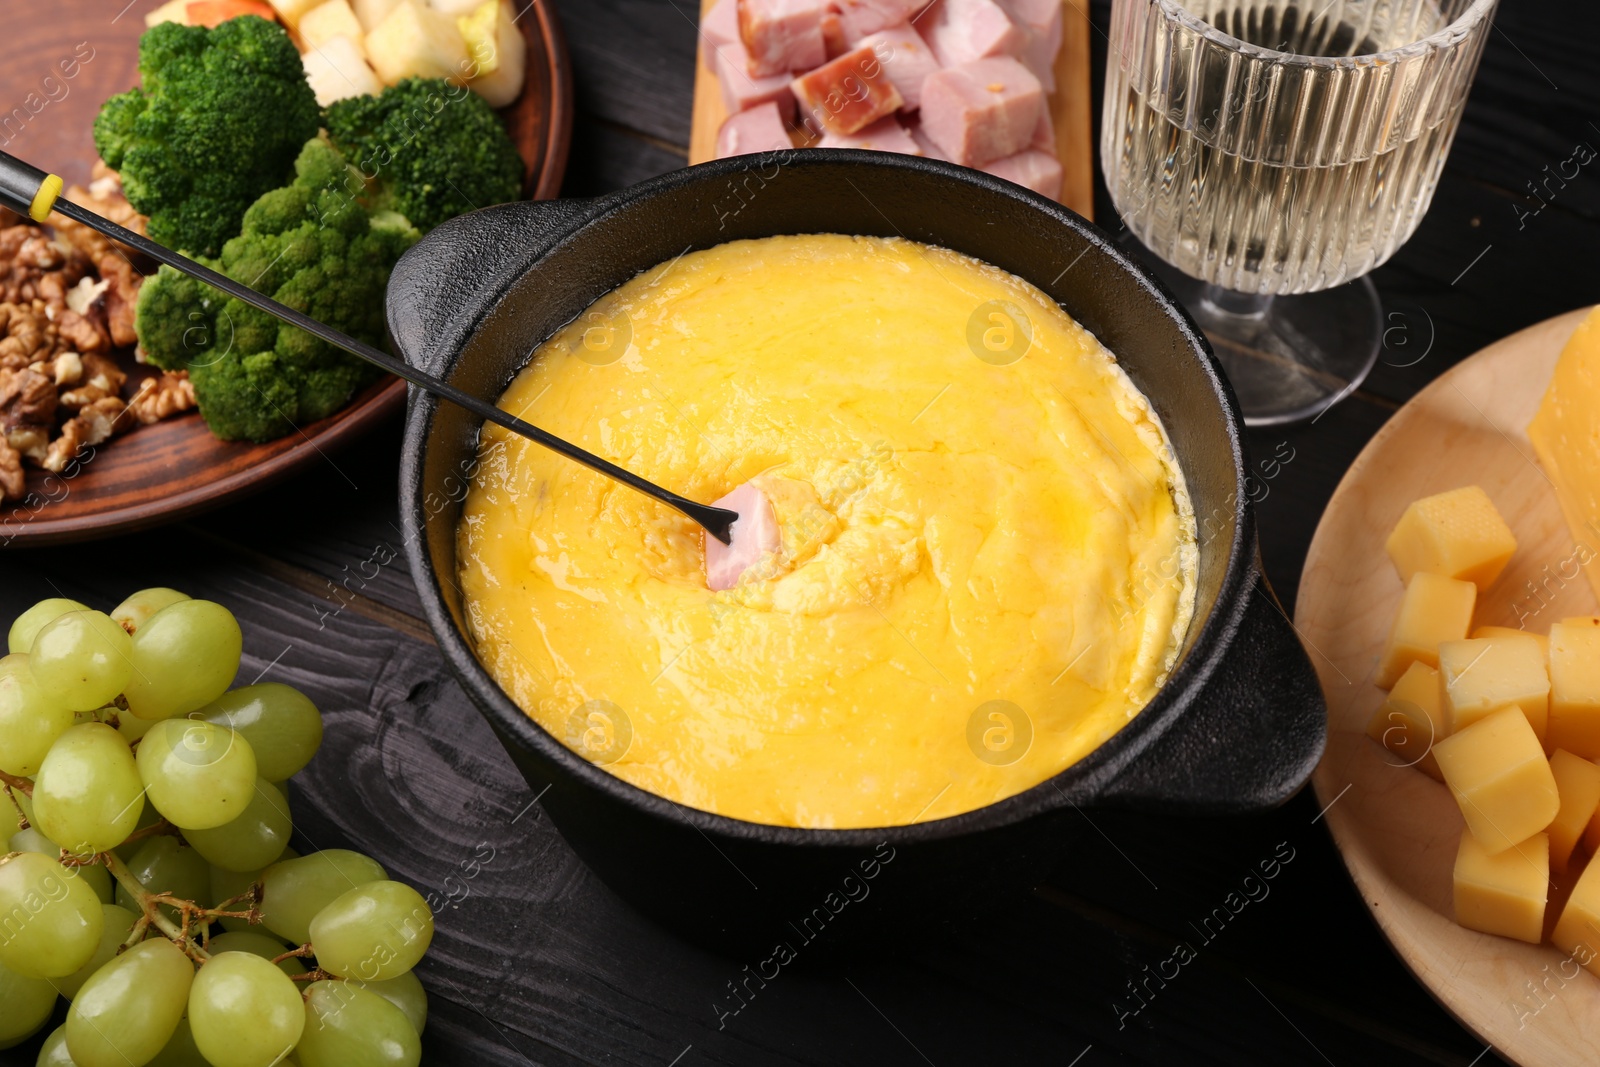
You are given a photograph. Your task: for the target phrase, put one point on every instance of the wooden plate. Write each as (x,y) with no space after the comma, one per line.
(1396,828)
(57,73)
(1069,108)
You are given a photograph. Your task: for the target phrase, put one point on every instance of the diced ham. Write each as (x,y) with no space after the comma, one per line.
(1040,22)
(740,91)
(960,31)
(906,59)
(885,135)
(754,534)
(760,129)
(847,94)
(719,27)
(924,142)
(782,35)
(861,17)
(835,41)
(1032,169)
(1044,134)
(983,110)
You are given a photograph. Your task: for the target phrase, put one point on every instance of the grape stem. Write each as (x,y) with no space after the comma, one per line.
(162,827)
(303,950)
(150,904)
(21,785)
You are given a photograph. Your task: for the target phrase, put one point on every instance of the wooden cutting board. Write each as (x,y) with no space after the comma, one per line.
(1069,108)
(1396,828)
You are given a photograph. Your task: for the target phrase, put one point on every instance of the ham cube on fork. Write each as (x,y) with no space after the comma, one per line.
(846,94)
(753,535)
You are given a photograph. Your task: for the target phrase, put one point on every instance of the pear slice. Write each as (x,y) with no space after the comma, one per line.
(323,23)
(417,41)
(501,60)
(337,69)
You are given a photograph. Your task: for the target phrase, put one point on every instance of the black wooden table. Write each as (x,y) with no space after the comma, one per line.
(537,963)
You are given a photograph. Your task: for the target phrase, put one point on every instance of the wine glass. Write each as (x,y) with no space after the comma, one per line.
(1271,153)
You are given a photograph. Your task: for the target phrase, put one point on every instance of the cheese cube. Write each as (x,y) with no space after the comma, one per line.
(1577,932)
(1512,631)
(326,21)
(1458,534)
(1434,610)
(1410,721)
(1563,436)
(1578,783)
(1575,687)
(1489,673)
(1503,892)
(1497,772)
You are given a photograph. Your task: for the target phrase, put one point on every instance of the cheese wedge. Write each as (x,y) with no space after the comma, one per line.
(1566,436)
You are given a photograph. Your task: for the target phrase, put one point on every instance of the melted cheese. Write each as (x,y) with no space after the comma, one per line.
(987,563)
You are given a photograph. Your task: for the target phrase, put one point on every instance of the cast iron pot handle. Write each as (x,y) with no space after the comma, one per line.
(1251,737)
(446,283)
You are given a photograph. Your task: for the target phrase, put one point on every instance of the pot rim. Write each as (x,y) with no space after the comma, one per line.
(1077,783)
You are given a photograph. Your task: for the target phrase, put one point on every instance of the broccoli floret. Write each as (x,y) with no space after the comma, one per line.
(432,149)
(310,245)
(218,121)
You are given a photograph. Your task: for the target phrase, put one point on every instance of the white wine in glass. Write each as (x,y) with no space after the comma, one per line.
(1271,154)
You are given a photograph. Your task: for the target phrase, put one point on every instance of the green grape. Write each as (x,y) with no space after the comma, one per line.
(83,659)
(52,921)
(405,992)
(225,885)
(129,1009)
(148,817)
(30,720)
(199,775)
(180,1050)
(98,878)
(280,722)
(350,1027)
(135,611)
(53,1053)
(244,1011)
(118,925)
(264,945)
(254,839)
(184,657)
(164,864)
(374,931)
(293,891)
(88,794)
(30,622)
(25,1006)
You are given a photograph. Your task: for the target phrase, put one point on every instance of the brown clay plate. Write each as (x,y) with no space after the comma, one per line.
(58,72)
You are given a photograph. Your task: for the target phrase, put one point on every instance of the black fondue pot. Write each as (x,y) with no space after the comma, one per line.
(1238,726)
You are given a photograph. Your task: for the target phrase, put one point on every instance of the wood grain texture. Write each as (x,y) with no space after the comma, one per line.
(1070,110)
(1397,828)
(86,52)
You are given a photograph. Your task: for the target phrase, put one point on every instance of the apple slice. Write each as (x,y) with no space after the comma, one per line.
(417,41)
(501,56)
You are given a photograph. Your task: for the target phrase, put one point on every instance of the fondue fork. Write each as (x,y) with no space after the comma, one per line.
(35,193)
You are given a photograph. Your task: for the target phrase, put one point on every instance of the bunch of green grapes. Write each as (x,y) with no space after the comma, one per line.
(151,809)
